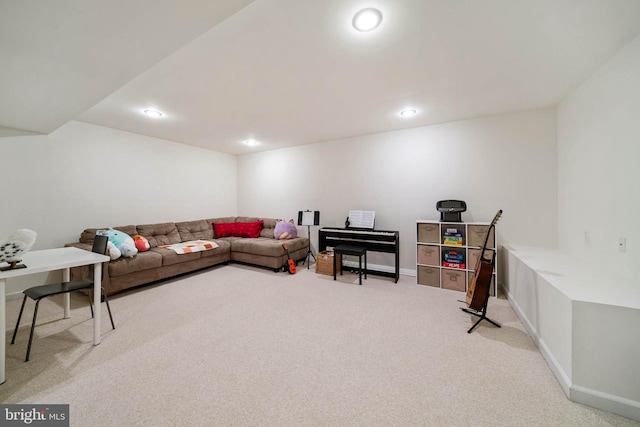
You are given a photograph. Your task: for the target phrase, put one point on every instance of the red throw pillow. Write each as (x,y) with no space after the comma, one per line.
(248,229)
(224,229)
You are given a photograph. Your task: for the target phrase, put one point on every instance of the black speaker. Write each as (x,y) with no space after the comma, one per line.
(451,210)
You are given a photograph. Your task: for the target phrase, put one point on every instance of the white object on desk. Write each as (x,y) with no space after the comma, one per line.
(50,260)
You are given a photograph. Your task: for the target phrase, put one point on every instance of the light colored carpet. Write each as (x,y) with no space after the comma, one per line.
(241,346)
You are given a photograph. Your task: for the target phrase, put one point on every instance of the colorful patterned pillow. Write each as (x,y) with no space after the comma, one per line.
(285,230)
(248,229)
(223,229)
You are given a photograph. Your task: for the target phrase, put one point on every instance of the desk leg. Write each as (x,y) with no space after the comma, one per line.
(3,325)
(66,276)
(97,288)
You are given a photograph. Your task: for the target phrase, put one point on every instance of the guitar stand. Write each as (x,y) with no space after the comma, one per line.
(482,317)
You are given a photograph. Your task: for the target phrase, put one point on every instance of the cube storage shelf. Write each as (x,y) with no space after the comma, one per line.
(447,253)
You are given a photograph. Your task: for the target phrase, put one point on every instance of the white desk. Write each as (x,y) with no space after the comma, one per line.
(50,260)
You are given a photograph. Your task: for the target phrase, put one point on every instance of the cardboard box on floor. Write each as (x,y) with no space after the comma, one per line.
(324,262)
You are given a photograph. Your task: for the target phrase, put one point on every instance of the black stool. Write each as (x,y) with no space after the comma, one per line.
(350,250)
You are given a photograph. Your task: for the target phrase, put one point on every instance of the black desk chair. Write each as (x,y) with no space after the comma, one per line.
(36,293)
(343,250)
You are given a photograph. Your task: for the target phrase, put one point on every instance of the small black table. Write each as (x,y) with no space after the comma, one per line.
(358,251)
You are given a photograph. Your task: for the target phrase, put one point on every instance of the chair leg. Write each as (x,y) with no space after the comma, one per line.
(15,331)
(104,293)
(91,303)
(33,325)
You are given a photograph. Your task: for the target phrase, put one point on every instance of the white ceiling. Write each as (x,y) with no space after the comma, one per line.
(293,72)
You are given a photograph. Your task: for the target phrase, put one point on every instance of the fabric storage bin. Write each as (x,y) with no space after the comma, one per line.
(454,280)
(473,257)
(428,233)
(477,234)
(428,254)
(429,276)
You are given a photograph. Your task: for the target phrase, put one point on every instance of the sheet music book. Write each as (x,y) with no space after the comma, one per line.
(362,219)
(307,218)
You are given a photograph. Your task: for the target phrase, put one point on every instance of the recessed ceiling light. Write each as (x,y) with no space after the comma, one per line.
(153,113)
(408,113)
(251,142)
(367,19)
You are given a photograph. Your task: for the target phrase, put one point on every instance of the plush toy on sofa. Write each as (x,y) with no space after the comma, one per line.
(120,244)
(285,230)
(141,242)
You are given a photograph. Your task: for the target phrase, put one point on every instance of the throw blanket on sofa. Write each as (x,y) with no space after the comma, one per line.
(191,246)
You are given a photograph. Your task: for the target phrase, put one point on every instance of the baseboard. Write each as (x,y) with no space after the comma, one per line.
(15,295)
(607,402)
(576,393)
(380,267)
(558,372)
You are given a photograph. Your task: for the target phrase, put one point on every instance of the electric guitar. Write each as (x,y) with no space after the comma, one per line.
(291,265)
(478,292)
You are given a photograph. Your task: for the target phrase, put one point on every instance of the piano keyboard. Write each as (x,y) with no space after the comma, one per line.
(374,241)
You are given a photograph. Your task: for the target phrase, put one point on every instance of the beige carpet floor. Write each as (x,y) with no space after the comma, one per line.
(242,346)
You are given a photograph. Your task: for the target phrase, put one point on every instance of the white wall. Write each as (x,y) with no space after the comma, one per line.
(501,162)
(84,176)
(584,323)
(598,158)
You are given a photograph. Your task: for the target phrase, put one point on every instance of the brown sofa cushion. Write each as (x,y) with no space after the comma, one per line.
(170,257)
(223,246)
(268,228)
(165,233)
(142,261)
(195,230)
(265,246)
(88,234)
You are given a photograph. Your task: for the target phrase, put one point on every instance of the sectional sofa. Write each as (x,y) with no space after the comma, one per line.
(160,263)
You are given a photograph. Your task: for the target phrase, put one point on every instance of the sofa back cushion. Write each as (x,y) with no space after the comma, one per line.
(89,234)
(268,224)
(195,230)
(165,233)
(268,227)
(248,229)
(224,229)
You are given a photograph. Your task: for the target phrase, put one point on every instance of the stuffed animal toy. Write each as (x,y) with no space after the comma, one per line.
(120,244)
(285,230)
(141,242)
(16,245)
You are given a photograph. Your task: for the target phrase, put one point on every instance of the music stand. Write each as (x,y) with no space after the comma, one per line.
(309,218)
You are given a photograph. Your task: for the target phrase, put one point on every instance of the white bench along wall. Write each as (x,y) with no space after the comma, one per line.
(585,323)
